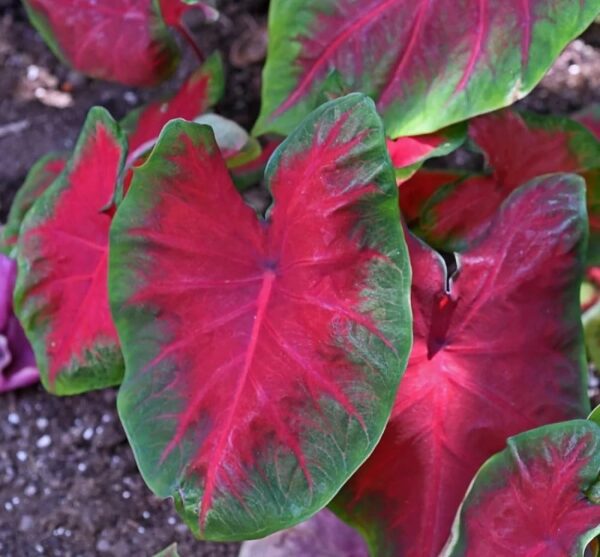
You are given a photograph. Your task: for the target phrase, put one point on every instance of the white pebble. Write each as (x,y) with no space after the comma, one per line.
(15,501)
(30,490)
(82,467)
(88,433)
(126,494)
(8,506)
(21,456)
(44,441)
(146,515)
(41,423)
(141,529)
(171,520)
(39,548)
(13,418)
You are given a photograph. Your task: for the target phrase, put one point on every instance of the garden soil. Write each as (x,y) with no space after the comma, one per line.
(69,485)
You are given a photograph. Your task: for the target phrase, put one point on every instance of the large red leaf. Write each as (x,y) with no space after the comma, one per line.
(262,355)
(518,148)
(427,63)
(537,498)
(497,350)
(118,40)
(202,89)
(61,295)
(40,177)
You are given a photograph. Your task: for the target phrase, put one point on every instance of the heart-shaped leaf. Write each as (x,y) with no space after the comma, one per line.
(117,40)
(427,63)
(40,177)
(538,497)
(518,148)
(262,355)
(61,295)
(498,350)
(201,90)
(323,535)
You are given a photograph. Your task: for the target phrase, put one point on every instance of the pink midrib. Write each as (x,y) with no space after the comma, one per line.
(217,455)
(330,49)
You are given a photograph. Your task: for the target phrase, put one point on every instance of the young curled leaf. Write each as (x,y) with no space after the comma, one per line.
(427,63)
(482,339)
(40,177)
(118,40)
(539,496)
(61,295)
(262,354)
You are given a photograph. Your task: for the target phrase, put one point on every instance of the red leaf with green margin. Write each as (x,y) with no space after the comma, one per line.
(518,148)
(474,375)
(262,356)
(40,177)
(535,498)
(427,63)
(117,40)
(61,296)
(202,89)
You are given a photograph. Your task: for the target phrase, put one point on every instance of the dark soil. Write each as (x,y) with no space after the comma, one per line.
(69,485)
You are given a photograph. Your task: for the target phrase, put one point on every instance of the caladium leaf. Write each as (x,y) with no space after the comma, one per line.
(262,355)
(117,40)
(323,535)
(39,178)
(427,63)
(518,148)
(202,89)
(61,295)
(481,340)
(539,496)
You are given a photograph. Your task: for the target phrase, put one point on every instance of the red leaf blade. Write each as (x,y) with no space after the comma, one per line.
(61,294)
(117,40)
(270,370)
(531,499)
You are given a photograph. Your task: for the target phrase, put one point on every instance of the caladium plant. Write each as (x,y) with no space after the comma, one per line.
(320,354)
(262,354)
(427,63)
(118,40)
